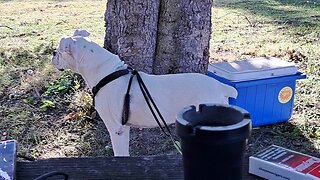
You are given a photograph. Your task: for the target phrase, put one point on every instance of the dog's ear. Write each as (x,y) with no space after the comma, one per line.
(81,32)
(65,45)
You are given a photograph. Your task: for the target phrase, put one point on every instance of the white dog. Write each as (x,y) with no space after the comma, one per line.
(171,93)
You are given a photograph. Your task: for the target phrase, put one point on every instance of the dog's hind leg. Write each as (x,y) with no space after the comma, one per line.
(120,136)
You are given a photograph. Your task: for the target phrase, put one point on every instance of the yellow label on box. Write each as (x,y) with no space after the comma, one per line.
(285,95)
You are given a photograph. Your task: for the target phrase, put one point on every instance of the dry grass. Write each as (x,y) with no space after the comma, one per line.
(28,85)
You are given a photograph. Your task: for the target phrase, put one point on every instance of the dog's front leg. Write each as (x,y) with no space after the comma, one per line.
(120,136)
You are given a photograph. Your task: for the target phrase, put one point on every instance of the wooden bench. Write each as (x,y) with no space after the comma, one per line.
(146,167)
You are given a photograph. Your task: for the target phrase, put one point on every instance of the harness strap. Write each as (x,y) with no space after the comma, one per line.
(126,104)
(126,101)
(107,80)
(150,102)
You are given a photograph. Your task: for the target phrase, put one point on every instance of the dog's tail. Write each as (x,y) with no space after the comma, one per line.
(229,91)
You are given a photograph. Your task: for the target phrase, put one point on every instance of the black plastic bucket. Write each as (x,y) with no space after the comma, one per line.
(213,141)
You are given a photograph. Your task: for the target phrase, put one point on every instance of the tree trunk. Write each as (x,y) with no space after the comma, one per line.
(160,36)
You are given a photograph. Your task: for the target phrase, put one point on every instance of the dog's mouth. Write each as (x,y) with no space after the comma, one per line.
(54,53)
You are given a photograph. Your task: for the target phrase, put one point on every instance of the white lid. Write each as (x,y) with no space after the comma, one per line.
(253,69)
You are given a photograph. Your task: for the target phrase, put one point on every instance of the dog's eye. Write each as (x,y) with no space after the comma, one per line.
(54,53)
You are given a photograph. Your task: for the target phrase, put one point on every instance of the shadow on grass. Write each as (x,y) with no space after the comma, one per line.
(143,142)
(297,18)
(286,135)
(292,13)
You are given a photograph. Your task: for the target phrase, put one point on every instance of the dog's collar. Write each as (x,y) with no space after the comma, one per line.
(107,80)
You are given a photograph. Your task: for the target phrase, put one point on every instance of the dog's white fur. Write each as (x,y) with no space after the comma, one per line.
(171,92)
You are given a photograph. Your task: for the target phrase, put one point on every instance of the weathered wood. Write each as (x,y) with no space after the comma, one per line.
(150,167)
(157,167)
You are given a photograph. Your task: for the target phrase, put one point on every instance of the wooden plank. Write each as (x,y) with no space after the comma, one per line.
(149,167)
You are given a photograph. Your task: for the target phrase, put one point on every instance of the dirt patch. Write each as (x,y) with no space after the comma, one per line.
(47,134)
(55,120)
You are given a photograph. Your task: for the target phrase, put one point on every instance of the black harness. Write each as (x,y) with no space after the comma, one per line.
(113,76)
(126,104)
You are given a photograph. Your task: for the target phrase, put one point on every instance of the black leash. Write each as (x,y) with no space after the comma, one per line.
(150,102)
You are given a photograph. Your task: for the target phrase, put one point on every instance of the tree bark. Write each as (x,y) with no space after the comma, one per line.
(131,28)
(160,36)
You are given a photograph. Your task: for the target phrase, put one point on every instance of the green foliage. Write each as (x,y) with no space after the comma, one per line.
(47,104)
(67,83)
(60,86)
(28,100)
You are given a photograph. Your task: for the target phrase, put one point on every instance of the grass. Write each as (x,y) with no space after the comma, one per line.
(285,29)
(49,112)
(41,107)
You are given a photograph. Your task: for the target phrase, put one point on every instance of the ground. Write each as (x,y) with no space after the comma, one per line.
(50,113)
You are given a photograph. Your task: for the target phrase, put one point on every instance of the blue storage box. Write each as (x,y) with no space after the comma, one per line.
(265,87)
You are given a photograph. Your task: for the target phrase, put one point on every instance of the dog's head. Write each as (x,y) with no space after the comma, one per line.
(68,55)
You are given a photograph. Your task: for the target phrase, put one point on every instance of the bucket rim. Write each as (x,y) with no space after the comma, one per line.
(246,118)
